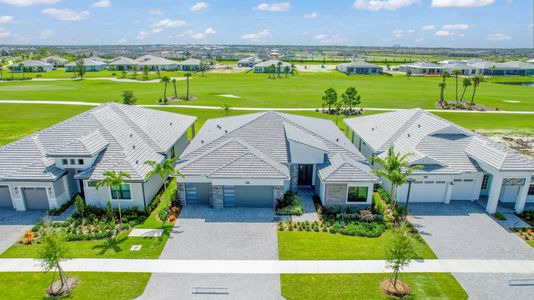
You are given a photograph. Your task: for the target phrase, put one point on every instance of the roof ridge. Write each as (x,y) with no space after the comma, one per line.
(403,128)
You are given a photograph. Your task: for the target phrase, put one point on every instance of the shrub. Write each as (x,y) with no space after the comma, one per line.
(172,218)
(163,214)
(527,215)
(383,195)
(289,205)
(500,216)
(366,215)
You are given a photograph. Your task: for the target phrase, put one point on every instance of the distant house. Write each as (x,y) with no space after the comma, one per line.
(46,169)
(359,67)
(189,65)
(421,68)
(89,64)
(530,61)
(248,62)
(264,67)
(31,66)
(464,68)
(122,63)
(156,63)
(513,68)
(483,67)
(55,61)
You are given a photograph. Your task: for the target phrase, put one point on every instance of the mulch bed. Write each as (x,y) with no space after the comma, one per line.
(55,290)
(462,105)
(400,290)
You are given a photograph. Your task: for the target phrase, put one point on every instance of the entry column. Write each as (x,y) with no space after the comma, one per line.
(522,196)
(495,191)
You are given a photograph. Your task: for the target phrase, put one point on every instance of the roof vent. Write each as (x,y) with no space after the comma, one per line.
(202,141)
(372,129)
(136,162)
(225,131)
(337,140)
(133,147)
(170,123)
(418,125)
(131,134)
(219,126)
(408,135)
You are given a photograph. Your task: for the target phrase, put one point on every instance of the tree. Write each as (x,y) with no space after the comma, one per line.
(145,72)
(203,68)
(158,73)
(79,205)
(114,180)
(351,98)
(165,80)
(187,76)
(226,108)
(128,97)
(279,69)
(21,67)
(466,83)
(52,252)
(135,70)
(442,87)
(408,74)
(80,68)
(329,98)
(400,251)
(456,74)
(396,168)
(123,73)
(476,81)
(174,86)
(163,169)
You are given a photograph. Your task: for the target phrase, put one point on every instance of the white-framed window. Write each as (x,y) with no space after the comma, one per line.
(80,161)
(485,181)
(357,194)
(65,161)
(123,192)
(531,190)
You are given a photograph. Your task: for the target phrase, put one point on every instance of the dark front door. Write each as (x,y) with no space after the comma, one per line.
(305,174)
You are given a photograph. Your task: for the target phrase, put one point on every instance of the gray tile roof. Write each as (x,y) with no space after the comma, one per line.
(33,63)
(514,65)
(87,62)
(257,145)
(122,136)
(341,167)
(151,60)
(360,64)
(423,64)
(435,141)
(122,61)
(189,62)
(271,62)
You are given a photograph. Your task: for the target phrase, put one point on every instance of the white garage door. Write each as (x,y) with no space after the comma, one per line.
(428,191)
(35,198)
(462,189)
(5,197)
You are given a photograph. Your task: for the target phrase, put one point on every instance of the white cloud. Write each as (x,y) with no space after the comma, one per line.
(142,35)
(312,15)
(280,6)
(498,37)
(444,33)
(102,4)
(419,40)
(461,3)
(46,34)
(163,24)
(329,39)
(4,33)
(155,11)
(258,36)
(203,35)
(456,27)
(428,27)
(28,2)
(66,14)
(375,5)
(398,33)
(6,19)
(199,6)
(123,40)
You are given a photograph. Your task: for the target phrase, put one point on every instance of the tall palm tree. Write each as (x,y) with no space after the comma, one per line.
(442,86)
(279,69)
(476,81)
(273,71)
(456,74)
(466,83)
(114,180)
(174,86)
(396,168)
(163,169)
(21,66)
(145,72)
(165,80)
(187,76)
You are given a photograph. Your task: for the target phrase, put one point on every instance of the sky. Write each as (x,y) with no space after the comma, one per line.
(414,23)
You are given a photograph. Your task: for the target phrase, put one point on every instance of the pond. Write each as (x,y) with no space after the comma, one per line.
(525,83)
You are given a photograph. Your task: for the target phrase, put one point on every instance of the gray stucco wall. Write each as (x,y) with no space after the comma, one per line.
(151,188)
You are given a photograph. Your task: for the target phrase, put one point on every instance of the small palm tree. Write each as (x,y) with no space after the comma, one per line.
(279,69)
(187,76)
(466,83)
(165,80)
(114,180)
(174,86)
(442,86)
(163,169)
(145,72)
(21,66)
(456,74)
(476,82)
(135,70)
(226,108)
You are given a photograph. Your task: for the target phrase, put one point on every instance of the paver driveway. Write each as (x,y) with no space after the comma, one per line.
(225,234)
(14,223)
(463,230)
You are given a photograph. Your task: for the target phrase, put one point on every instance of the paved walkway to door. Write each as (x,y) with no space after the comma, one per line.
(308,208)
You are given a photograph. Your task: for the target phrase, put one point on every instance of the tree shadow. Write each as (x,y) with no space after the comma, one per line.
(110,244)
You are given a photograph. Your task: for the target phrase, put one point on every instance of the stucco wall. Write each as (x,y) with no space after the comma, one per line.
(101,196)
(335,194)
(152,187)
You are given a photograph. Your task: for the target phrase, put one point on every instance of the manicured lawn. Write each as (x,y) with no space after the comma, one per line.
(91,285)
(531,243)
(319,246)
(366,286)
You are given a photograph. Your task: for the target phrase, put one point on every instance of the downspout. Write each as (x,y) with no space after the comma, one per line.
(144,197)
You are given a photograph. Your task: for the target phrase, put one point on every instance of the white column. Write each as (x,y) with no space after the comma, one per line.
(347,131)
(493,197)
(449,193)
(522,196)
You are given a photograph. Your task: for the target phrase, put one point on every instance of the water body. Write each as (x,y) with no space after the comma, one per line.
(526,83)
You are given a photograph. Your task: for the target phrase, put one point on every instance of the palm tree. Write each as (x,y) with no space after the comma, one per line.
(145,72)
(226,108)
(174,86)
(273,71)
(135,69)
(163,169)
(21,66)
(279,69)
(187,75)
(165,80)
(476,81)
(396,168)
(456,74)
(442,86)
(114,180)
(466,83)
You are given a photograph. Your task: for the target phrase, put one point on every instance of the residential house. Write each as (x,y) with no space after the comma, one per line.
(154,63)
(513,68)
(89,64)
(279,67)
(359,67)
(31,66)
(189,65)
(248,62)
(122,63)
(46,169)
(457,164)
(56,61)
(252,160)
(421,68)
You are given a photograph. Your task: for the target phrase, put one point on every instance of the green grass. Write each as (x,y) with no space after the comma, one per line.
(531,243)
(325,246)
(366,286)
(152,220)
(91,285)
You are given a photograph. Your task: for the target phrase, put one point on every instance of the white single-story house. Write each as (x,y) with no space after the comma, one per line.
(248,62)
(279,67)
(421,68)
(252,160)
(55,61)
(458,164)
(89,64)
(46,169)
(156,63)
(513,68)
(189,65)
(122,63)
(31,66)
(466,69)
(359,67)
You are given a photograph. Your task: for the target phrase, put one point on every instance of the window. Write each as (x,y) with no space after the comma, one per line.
(123,191)
(172,154)
(357,194)
(65,161)
(531,190)
(513,181)
(80,161)
(72,161)
(485,181)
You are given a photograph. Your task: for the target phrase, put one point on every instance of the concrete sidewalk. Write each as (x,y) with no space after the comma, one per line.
(172,266)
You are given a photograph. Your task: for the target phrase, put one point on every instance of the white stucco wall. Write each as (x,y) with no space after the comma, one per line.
(100,197)
(152,186)
(304,154)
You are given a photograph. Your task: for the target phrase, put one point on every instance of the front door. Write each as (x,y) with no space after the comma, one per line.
(305,174)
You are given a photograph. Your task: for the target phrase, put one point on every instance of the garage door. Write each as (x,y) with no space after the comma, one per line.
(197,193)
(35,198)
(254,196)
(5,197)
(462,189)
(428,191)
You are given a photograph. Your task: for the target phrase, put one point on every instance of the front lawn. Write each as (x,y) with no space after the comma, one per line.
(32,285)
(366,286)
(325,246)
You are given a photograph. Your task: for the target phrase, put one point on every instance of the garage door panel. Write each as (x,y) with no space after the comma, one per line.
(462,189)
(5,197)
(197,193)
(35,198)
(254,196)
(428,191)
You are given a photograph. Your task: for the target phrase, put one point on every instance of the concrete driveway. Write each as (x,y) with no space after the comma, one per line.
(463,230)
(14,223)
(219,234)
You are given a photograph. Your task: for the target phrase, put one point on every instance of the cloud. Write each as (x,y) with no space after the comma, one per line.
(199,6)
(6,19)
(66,14)
(276,7)
(258,36)
(329,39)
(163,24)
(461,3)
(28,2)
(398,33)
(142,35)
(312,15)
(428,27)
(46,34)
(456,27)
(419,40)
(444,33)
(375,5)
(102,4)
(122,41)
(155,12)
(4,33)
(498,37)
(204,34)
